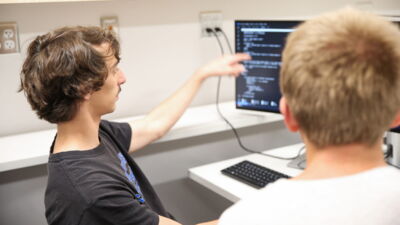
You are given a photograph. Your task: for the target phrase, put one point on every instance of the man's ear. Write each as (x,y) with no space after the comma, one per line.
(289,120)
(87,96)
(396,121)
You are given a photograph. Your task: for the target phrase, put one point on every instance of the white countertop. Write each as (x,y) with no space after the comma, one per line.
(29,149)
(211,177)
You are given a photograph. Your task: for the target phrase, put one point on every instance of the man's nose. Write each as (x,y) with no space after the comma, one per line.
(122,78)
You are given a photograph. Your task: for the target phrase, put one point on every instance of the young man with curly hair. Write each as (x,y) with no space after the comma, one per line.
(71,78)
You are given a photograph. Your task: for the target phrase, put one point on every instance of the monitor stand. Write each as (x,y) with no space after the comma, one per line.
(299,162)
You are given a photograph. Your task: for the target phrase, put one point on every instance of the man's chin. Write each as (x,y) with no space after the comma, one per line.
(110,111)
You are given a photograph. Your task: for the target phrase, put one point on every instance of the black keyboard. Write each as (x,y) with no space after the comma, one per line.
(253,174)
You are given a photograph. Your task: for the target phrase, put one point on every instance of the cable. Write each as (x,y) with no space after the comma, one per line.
(389,151)
(395,166)
(301,161)
(209,30)
(214,32)
(388,154)
(217,29)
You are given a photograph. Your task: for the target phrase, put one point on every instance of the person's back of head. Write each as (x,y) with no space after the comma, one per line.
(62,67)
(340,77)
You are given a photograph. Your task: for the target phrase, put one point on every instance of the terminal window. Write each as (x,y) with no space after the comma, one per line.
(258,87)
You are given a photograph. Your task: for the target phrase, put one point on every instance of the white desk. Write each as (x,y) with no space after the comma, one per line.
(29,149)
(211,177)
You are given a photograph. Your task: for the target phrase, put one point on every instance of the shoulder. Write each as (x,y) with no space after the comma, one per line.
(118,132)
(390,170)
(114,127)
(386,179)
(378,177)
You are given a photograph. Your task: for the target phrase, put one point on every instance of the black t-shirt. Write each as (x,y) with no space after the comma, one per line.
(102,185)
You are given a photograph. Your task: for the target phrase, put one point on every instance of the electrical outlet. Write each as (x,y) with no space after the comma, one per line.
(8,34)
(110,23)
(9,41)
(210,19)
(9,45)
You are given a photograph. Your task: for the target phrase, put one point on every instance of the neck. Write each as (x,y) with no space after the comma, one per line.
(336,161)
(80,133)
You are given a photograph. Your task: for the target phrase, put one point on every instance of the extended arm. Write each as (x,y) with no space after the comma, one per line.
(165,115)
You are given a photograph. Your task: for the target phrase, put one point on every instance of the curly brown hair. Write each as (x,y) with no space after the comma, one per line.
(62,67)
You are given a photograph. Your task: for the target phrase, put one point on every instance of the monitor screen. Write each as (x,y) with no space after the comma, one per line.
(258,87)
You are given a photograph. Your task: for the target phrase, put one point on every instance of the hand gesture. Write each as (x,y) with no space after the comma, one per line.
(225,65)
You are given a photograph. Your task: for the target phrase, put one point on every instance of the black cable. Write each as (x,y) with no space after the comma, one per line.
(217,29)
(214,32)
(301,161)
(209,30)
(395,166)
(389,151)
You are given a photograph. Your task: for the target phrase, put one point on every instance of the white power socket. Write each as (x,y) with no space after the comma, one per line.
(9,45)
(8,33)
(9,42)
(211,20)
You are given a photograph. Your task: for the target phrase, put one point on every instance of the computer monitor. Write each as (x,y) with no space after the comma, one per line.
(257,89)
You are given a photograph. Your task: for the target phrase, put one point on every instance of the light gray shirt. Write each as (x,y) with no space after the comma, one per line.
(367,198)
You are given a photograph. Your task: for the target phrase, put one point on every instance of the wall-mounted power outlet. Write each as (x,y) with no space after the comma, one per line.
(9,41)
(9,45)
(211,19)
(110,23)
(8,33)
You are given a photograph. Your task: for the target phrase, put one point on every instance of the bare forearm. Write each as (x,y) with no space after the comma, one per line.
(165,115)
(168,112)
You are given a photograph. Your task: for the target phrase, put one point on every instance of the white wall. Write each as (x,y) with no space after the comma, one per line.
(161,45)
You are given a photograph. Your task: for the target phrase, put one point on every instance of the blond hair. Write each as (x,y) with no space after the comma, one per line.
(340,76)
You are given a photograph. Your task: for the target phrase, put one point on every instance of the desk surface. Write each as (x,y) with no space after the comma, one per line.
(211,177)
(29,149)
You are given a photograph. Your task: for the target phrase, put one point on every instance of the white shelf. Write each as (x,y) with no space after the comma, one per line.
(29,149)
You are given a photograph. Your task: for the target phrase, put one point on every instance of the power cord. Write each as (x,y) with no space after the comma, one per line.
(214,32)
(388,154)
